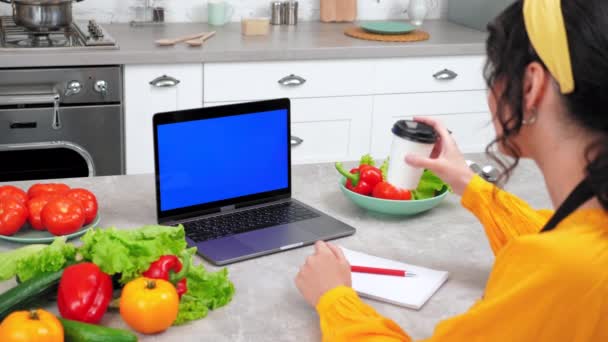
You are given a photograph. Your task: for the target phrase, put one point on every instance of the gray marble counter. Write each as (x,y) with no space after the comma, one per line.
(307,40)
(267,306)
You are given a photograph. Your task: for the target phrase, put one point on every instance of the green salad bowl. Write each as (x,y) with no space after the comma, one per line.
(391,207)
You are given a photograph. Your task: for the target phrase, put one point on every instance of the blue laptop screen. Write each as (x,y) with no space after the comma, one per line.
(210,160)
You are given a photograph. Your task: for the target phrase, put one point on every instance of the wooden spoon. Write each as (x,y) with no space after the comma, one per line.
(173,41)
(200,40)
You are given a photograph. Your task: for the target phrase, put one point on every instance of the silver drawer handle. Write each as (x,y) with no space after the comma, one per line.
(164,81)
(292,81)
(445,75)
(296,141)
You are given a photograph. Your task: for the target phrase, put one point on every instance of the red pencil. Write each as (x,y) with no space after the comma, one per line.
(381,271)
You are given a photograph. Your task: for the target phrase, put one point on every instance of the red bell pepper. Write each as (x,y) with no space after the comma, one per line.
(170,268)
(388,191)
(361,180)
(84,293)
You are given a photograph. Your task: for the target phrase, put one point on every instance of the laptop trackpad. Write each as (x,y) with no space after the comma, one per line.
(224,249)
(275,237)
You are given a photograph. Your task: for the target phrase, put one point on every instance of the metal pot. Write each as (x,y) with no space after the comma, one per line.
(42,15)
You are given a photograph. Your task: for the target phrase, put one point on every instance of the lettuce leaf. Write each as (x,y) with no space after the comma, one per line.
(191,308)
(430,186)
(9,260)
(52,258)
(206,291)
(130,252)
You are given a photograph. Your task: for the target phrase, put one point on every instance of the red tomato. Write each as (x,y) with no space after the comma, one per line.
(13,191)
(37,189)
(62,216)
(35,206)
(387,191)
(13,215)
(88,201)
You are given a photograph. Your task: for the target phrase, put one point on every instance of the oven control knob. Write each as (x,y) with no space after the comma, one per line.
(101,87)
(73,88)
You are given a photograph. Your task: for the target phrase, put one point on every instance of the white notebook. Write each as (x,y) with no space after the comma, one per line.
(409,292)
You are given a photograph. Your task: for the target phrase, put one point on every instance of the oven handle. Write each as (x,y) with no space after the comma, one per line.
(54,144)
(22,99)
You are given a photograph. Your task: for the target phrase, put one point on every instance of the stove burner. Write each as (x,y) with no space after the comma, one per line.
(77,36)
(43,40)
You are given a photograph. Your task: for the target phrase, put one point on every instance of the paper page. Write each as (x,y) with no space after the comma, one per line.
(410,292)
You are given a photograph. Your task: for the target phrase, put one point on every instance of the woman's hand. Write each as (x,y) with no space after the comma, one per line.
(446,161)
(323,271)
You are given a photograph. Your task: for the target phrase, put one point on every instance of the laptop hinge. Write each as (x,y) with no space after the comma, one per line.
(227,208)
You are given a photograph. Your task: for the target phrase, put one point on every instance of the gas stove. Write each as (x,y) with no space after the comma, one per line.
(79,36)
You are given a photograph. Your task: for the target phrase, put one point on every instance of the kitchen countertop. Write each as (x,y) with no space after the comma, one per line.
(307,40)
(267,306)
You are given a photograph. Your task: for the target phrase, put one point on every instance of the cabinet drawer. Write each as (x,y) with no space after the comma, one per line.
(430,74)
(265,80)
(330,130)
(465,113)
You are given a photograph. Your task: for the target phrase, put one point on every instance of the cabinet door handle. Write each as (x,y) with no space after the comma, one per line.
(292,81)
(445,75)
(164,81)
(296,141)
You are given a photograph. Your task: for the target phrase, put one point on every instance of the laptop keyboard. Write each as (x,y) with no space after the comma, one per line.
(244,221)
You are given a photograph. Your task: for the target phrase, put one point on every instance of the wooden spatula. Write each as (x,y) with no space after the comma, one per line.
(173,41)
(200,40)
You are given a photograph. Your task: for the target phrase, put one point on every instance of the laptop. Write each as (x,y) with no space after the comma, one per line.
(224,173)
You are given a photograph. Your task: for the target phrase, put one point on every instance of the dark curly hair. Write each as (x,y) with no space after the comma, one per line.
(509,52)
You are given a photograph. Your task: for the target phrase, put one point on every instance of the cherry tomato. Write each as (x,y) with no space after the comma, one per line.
(88,201)
(13,215)
(62,216)
(37,189)
(35,206)
(13,191)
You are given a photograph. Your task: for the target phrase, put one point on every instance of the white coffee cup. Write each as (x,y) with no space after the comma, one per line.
(409,138)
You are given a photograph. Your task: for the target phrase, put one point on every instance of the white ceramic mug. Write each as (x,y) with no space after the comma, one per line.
(409,137)
(219,12)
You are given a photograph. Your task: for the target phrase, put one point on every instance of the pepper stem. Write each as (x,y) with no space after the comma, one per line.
(186,261)
(150,284)
(384,168)
(354,178)
(33,315)
(367,160)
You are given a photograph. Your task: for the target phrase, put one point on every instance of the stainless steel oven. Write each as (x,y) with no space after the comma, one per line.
(61,122)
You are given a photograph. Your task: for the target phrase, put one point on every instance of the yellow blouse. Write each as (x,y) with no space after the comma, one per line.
(543,287)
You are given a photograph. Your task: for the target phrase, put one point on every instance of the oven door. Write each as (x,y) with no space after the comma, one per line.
(48,142)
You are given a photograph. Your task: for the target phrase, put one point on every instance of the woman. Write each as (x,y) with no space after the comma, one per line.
(548,77)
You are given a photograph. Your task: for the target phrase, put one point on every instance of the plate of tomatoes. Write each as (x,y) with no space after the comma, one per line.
(45,212)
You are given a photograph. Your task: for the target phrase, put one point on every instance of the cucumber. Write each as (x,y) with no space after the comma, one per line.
(82,332)
(28,293)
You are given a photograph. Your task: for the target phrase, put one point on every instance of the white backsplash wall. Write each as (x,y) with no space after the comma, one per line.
(196,10)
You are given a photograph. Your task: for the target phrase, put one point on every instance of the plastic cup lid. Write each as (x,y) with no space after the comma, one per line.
(415,131)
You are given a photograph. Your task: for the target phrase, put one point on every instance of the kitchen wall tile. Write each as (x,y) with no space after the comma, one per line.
(196,10)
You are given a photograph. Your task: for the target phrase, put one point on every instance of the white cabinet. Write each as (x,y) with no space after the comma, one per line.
(303,79)
(328,129)
(341,109)
(465,113)
(428,74)
(151,89)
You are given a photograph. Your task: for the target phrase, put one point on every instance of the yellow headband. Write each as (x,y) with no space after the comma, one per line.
(547,31)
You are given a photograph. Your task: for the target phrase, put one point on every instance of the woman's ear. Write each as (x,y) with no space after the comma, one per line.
(536,84)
